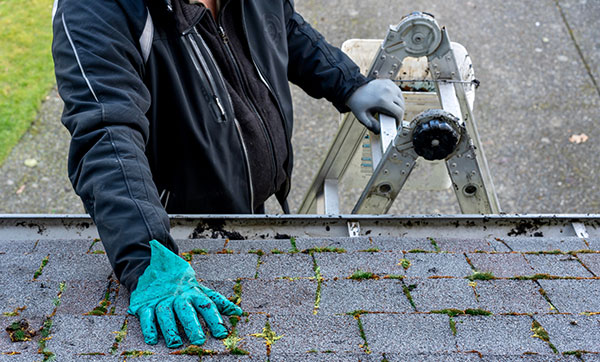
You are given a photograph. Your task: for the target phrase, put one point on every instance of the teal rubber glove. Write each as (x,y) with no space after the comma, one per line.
(377,96)
(168,287)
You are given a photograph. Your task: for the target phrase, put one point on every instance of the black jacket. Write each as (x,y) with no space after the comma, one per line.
(149,114)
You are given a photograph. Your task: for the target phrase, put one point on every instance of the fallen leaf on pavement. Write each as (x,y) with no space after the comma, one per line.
(30,162)
(579,138)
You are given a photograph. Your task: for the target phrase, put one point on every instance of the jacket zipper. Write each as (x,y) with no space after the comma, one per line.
(213,86)
(200,64)
(246,91)
(266,83)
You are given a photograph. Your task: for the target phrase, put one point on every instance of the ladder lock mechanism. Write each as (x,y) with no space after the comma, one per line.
(435,135)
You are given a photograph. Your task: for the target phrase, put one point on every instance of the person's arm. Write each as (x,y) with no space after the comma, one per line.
(99,67)
(323,70)
(319,68)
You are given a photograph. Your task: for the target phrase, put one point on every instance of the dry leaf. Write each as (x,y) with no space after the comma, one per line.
(579,138)
(30,162)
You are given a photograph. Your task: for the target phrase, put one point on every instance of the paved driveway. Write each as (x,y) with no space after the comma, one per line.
(538,63)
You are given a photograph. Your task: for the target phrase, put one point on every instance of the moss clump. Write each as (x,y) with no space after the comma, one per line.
(268,335)
(319,287)
(478,311)
(481,276)
(17,311)
(194,350)
(394,276)
(324,249)
(365,345)
(102,307)
(451,312)
(418,251)
(20,331)
(258,252)
(404,263)
(231,343)
(541,333)
(188,256)
(361,275)
(577,353)
(237,289)
(136,353)
(357,313)
(407,289)
(41,268)
(452,323)
(45,333)
(549,252)
(234,320)
(371,250)
(294,248)
(434,244)
(277,251)
(583,251)
(119,336)
(98,252)
(225,251)
(539,277)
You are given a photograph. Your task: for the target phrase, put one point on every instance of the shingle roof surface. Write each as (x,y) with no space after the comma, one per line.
(541,302)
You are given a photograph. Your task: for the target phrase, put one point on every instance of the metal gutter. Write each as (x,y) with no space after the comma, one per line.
(44,226)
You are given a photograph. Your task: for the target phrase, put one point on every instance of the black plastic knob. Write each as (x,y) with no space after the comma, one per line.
(435,139)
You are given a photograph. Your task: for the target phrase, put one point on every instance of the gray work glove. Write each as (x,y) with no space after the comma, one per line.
(377,96)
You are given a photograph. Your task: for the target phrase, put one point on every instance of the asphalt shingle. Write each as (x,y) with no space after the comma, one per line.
(591,261)
(335,265)
(545,244)
(558,265)
(573,296)
(224,266)
(304,333)
(408,333)
(286,265)
(501,265)
(572,332)
(279,296)
(345,296)
(436,294)
(511,296)
(425,265)
(502,335)
(366,243)
(76,335)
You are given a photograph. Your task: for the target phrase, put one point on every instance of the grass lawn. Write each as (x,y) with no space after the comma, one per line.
(26,68)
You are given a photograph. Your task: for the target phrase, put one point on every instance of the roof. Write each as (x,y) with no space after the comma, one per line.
(425,288)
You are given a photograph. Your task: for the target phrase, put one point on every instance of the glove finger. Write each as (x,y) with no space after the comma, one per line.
(147,324)
(211,315)
(166,321)
(373,125)
(394,110)
(189,319)
(367,121)
(224,305)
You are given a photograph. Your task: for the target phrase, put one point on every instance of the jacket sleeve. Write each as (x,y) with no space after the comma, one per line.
(319,68)
(99,67)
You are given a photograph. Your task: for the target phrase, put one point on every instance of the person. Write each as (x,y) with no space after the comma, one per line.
(184,107)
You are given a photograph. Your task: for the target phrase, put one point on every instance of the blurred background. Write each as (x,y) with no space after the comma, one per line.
(537,107)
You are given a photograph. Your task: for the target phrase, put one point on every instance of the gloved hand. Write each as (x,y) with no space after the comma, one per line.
(169,284)
(377,96)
